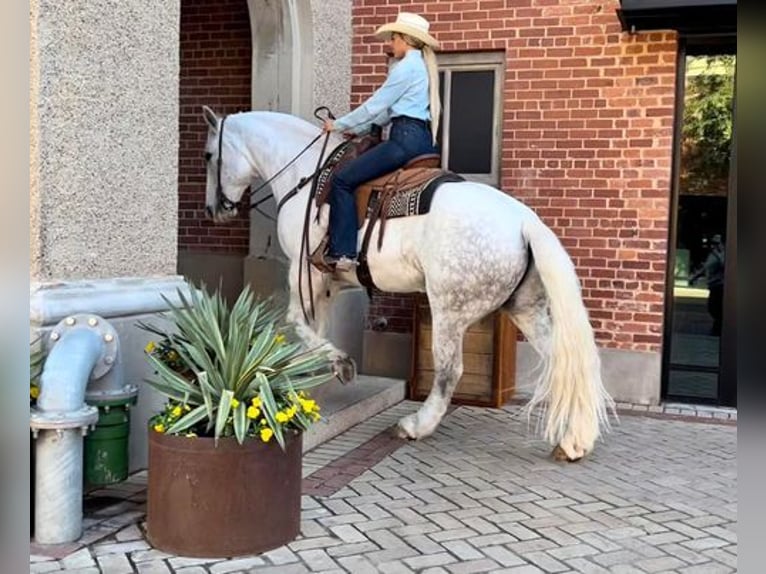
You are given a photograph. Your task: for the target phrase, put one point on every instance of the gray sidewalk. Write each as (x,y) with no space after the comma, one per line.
(482,495)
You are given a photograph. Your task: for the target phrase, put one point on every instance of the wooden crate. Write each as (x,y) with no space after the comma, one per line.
(489,360)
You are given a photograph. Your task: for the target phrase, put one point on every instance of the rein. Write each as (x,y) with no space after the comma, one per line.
(305,247)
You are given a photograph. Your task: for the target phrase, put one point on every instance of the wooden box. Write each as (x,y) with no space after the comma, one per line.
(489,360)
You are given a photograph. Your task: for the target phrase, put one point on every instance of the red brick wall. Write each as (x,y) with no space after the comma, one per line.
(215,71)
(587,139)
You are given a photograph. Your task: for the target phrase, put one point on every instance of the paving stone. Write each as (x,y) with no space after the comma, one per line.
(707,568)
(80,559)
(546,562)
(40,567)
(357,565)
(430,560)
(283,569)
(472,566)
(282,555)
(132,532)
(236,565)
(115,564)
(394,567)
(660,564)
(585,566)
(317,560)
(153,567)
(526,569)
(152,554)
(177,562)
(119,547)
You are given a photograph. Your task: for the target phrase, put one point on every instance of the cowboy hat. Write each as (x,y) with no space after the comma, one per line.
(411,25)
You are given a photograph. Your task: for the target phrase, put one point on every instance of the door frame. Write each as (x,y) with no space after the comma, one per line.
(727,372)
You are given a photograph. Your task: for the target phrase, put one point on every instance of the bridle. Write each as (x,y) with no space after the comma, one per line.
(230,205)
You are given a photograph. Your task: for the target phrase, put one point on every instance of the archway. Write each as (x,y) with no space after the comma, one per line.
(282,53)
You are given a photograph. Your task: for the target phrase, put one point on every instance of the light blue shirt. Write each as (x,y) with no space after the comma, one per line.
(404,93)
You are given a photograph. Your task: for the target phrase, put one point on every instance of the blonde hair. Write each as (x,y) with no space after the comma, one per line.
(429,57)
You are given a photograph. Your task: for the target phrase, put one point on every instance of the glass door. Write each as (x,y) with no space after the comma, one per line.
(703,236)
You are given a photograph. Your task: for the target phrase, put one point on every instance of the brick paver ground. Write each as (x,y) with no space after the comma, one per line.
(483,495)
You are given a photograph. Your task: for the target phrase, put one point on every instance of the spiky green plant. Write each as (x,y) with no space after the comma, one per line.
(232,371)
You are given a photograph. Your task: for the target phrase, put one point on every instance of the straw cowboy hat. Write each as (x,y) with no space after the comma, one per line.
(411,25)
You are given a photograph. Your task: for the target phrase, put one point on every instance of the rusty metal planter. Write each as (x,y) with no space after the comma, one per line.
(229,500)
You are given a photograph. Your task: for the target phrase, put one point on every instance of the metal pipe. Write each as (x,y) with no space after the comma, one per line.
(67,370)
(83,349)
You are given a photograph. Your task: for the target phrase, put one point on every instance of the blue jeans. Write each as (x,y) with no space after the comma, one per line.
(409,138)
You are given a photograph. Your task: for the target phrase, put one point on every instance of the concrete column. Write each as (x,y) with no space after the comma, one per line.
(103,170)
(312,52)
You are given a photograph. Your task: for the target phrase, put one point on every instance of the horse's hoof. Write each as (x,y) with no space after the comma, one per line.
(345,370)
(559,454)
(405,429)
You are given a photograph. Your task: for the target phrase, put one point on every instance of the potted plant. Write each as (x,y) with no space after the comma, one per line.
(225,453)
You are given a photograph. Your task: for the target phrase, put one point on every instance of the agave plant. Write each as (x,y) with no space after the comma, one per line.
(233,371)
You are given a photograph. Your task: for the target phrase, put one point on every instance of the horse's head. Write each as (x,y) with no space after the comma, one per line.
(228,172)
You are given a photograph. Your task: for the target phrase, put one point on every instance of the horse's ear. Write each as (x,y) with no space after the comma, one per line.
(210,118)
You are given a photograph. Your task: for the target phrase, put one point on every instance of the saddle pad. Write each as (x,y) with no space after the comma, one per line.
(415,200)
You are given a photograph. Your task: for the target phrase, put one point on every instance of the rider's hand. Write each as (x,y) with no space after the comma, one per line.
(329,126)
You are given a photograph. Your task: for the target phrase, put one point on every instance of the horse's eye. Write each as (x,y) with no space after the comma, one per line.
(208,155)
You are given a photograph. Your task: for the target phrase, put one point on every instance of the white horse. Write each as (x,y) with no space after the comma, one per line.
(469,254)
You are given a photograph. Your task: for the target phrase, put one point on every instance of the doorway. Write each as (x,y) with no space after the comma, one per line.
(698,366)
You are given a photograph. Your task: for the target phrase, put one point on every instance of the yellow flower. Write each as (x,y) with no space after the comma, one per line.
(34,391)
(264,422)
(316,416)
(280,339)
(292,411)
(177,411)
(266,434)
(150,346)
(234,403)
(159,427)
(253,412)
(309,405)
(187,408)
(282,417)
(256,402)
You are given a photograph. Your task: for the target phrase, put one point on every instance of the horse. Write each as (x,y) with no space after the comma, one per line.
(477,250)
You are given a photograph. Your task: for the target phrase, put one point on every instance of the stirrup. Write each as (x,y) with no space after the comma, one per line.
(317,258)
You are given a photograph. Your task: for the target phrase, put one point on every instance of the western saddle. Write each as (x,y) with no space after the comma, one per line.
(403,192)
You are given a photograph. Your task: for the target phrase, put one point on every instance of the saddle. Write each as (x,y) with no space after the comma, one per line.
(404,192)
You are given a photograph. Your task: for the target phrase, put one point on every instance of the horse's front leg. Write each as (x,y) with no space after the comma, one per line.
(314,331)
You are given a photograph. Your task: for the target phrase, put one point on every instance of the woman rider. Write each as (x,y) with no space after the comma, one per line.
(409,100)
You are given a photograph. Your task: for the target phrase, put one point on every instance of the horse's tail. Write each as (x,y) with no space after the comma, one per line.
(571,380)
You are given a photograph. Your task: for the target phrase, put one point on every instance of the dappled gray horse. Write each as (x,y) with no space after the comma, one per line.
(475,251)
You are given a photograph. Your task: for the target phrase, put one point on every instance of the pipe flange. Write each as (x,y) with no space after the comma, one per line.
(101,326)
(52,420)
(127,395)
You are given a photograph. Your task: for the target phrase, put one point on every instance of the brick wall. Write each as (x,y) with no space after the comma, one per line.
(587,139)
(215,71)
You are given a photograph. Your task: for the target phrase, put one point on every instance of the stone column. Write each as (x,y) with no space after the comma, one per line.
(104,153)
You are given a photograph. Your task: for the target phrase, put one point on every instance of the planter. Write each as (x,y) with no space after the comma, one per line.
(224,501)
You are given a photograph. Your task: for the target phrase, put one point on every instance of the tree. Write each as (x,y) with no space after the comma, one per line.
(707,125)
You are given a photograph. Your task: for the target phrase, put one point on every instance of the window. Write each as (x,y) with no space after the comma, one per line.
(471,87)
